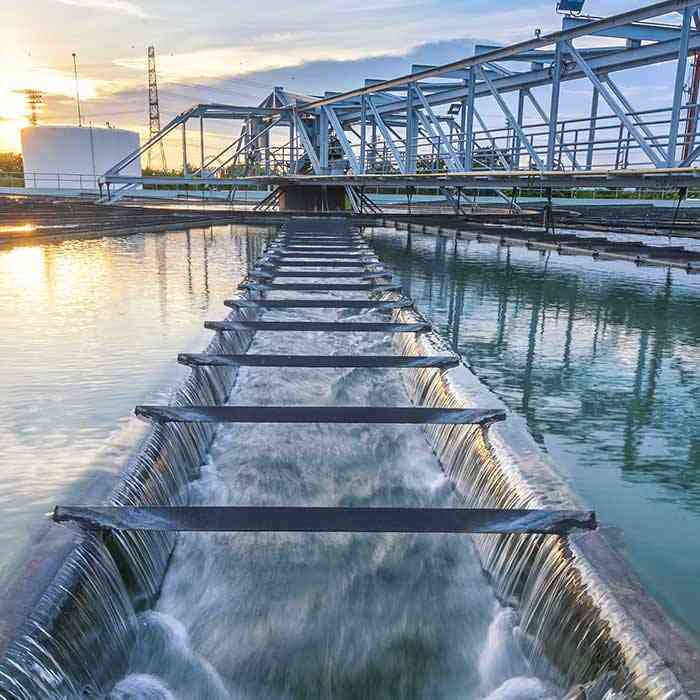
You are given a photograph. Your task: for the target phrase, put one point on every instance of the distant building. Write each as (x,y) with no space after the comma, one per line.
(71,157)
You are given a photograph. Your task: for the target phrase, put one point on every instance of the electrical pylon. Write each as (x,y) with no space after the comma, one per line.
(153,107)
(34,98)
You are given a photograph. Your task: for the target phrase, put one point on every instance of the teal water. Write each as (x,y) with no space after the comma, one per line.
(90,329)
(601,359)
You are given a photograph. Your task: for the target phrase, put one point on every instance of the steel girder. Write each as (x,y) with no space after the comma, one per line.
(404,110)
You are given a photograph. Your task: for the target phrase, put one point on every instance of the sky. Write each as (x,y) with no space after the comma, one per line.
(235,52)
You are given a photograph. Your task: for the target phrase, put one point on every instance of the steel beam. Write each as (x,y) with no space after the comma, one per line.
(614,106)
(522,137)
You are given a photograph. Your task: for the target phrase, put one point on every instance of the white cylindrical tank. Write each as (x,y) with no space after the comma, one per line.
(71,157)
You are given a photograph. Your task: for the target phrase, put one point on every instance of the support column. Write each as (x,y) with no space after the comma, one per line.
(469,135)
(323,141)
(184,149)
(681,67)
(292,150)
(411,154)
(517,145)
(592,128)
(554,108)
(363,134)
(462,127)
(201,146)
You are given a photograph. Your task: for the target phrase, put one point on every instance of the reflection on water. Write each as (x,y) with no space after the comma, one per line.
(91,328)
(602,360)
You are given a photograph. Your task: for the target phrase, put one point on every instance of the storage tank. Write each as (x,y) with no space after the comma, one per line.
(71,157)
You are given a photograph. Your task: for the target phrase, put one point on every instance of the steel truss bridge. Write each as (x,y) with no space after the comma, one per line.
(425,129)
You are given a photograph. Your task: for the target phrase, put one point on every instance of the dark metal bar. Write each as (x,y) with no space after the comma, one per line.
(208,360)
(327,326)
(314,519)
(298,237)
(321,256)
(317,304)
(311,263)
(320,273)
(319,414)
(327,247)
(302,287)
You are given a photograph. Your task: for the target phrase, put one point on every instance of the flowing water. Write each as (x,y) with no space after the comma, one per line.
(601,360)
(322,615)
(91,328)
(304,616)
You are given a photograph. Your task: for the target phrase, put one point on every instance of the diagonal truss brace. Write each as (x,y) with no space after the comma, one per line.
(387,136)
(433,125)
(614,106)
(306,142)
(513,121)
(653,138)
(345,144)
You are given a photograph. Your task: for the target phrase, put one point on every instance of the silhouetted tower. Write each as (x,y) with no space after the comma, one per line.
(153,108)
(34,99)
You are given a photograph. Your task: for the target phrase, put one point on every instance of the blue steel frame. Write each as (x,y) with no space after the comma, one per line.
(424,122)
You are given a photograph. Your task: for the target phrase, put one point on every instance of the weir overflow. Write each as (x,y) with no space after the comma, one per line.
(334,567)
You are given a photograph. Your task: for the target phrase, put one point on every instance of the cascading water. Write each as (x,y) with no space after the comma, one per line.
(272,615)
(75,640)
(577,598)
(291,616)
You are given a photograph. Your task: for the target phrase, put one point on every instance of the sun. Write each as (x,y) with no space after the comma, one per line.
(14,114)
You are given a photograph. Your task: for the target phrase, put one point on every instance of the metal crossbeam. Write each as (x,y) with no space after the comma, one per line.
(324,246)
(361,255)
(317,304)
(320,273)
(315,519)
(319,414)
(328,326)
(399,361)
(301,287)
(310,263)
(311,238)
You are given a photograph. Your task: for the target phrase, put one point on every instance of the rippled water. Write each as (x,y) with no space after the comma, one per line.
(91,328)
(601,359)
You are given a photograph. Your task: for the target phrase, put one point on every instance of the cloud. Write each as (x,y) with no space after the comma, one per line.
(121,6)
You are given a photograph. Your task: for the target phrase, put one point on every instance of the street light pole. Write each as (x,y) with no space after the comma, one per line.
(77,91)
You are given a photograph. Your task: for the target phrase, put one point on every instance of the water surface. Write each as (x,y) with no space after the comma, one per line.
(90,329)
(601,359)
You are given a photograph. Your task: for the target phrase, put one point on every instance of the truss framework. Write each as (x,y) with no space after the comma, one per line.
(424,128)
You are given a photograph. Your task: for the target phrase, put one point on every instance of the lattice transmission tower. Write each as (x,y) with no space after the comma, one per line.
(34,99)
(153,107)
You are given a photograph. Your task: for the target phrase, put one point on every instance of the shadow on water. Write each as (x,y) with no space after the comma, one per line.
(601,360)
